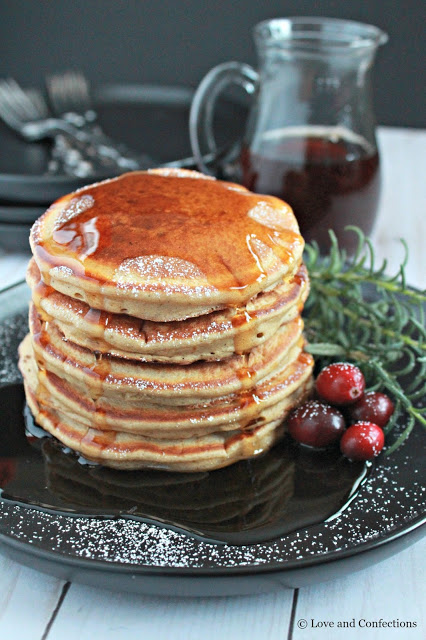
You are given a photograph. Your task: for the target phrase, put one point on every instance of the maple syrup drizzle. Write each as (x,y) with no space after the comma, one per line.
(99,320)
(198,226)
(103,441)
(243,323)
(250,406)
(41,291)
(99,371)
(250,403)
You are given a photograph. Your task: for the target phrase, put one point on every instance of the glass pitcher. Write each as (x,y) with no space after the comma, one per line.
(310,136)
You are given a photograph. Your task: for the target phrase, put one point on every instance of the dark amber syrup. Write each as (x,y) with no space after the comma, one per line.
(330,182)
(285,489)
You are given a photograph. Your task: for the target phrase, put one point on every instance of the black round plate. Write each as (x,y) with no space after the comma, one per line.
(384,517)
(20,214)
(148,118)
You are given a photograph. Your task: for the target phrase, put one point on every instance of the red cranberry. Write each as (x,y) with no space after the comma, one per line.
(316,424)
(362,441)
(340,383)
(372,407)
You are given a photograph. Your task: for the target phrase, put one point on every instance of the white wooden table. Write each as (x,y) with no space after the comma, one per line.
(37,606)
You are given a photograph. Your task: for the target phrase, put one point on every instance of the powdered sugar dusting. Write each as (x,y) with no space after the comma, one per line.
(154,267)
(37,228)
(12,331)
(62,270)
(272,217)
(176,172)
(171,274)
(74,208)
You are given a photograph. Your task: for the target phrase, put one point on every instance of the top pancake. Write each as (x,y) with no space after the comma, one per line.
(166,245)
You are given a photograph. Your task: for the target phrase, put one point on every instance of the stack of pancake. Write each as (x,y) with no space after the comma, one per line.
(165,327)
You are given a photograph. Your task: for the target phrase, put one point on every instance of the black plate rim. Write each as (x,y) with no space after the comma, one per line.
(5,225)
(34,180)
(149,93)
(142,570)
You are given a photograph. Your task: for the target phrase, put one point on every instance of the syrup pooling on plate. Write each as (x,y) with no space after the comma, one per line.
(156,226)
(254,500)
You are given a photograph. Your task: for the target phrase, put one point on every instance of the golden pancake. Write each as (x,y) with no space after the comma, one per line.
(129,451)
(108,376)
(213,336)
(166,245)
(270,400)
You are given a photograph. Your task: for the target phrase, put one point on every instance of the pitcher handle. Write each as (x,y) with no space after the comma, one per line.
(204,101)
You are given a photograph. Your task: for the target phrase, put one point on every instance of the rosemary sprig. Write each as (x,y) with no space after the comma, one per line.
(357,313)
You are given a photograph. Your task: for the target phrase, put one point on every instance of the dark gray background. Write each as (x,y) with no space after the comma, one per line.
(177,41)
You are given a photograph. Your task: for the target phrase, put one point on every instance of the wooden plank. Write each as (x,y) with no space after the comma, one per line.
(93,613)
(27,601)
(393,590)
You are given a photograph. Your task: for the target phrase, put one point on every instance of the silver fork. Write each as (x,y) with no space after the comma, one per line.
(69,96)
(27,113)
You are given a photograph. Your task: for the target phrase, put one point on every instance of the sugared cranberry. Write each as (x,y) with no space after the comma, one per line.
(362,441)
(316,424)
(340,383)
(372,407)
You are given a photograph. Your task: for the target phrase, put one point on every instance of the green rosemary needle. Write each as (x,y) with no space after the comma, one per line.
(357,313)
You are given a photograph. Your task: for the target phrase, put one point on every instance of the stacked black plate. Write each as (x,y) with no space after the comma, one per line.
(148,118)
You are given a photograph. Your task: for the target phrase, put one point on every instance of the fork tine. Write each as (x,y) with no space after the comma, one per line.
(18,97)
(19,106)
(27,105)
(7,113)
(68,92)
(55,93)
(39,102)
(76,94)
(81,98)
(82,89)
(10,100)
(12,106)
